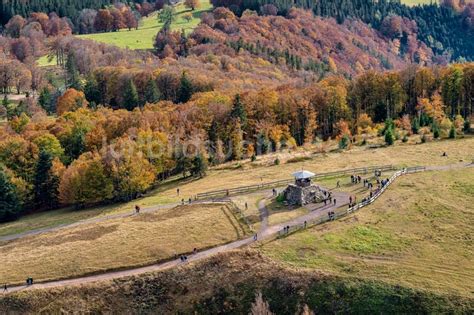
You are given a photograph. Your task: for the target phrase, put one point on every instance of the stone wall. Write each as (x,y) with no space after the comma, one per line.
(297,195)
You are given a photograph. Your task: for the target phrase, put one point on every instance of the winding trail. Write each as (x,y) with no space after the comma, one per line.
(266,232)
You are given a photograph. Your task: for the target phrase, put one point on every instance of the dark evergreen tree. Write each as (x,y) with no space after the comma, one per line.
(130,95)
(45,100)
(10,203)
(185,89)
(238,111)
(45,184)
(91,90)
(152,94)
(415,125)
(72,74)
(199,166)
(452,132)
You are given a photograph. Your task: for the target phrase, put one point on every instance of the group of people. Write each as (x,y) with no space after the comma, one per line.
(356,179)
(328,198)
(286,229)
(332,215)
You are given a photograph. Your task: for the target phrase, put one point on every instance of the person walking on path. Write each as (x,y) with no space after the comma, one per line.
(338,184)
(246,206)
(5,289)
(255,237)
(177,191)
(334,201)
(137,209)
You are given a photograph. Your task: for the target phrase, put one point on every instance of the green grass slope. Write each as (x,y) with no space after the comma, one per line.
(142,38)
(418,234)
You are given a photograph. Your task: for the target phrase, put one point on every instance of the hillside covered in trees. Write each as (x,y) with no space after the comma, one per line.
(447,29)
(236,87)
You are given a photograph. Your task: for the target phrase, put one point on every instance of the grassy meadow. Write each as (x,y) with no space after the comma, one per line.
(418,2)
(119,243)
(142,38)
(418,234)
(263,170)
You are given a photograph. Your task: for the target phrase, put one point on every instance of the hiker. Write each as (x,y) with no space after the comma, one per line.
(287,229)
(177,191)
(190,200)
(195,250)
(227,192)
(255,237)
(5,289)
(137,209)
(325,201)
(246,206)
(350,199)
(334,201)
(182,201)
(338,184)
(305,224)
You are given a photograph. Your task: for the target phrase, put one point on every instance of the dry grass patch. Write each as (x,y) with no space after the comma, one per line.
(418,234)
(119,243)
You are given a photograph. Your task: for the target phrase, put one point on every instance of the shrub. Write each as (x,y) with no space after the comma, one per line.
(452,132)
(344,142)
(280,198)
(423,138)
(389,139)
(277,161)
(253,158)
(467,125)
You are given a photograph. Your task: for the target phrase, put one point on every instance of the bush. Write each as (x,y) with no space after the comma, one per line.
(452,132)
(277,161)
(405,139)
(423,139)
(280,198)
(253,158)
(389,139)
(344,142)
(467,125)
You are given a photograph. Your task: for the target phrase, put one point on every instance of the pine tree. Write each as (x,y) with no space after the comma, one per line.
(72,74)
(152,94)
(415,125)
(46,186)
(91,90)
(238,111)
(199,165)
(130,95)
(45,99)
(389,139)
(467,125)
(10,204)
(435,129)
(185,89)
(452,132)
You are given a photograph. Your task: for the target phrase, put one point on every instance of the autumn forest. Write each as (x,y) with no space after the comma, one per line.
(100,124)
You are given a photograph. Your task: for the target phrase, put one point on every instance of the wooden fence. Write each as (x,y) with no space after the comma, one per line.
(246,189)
